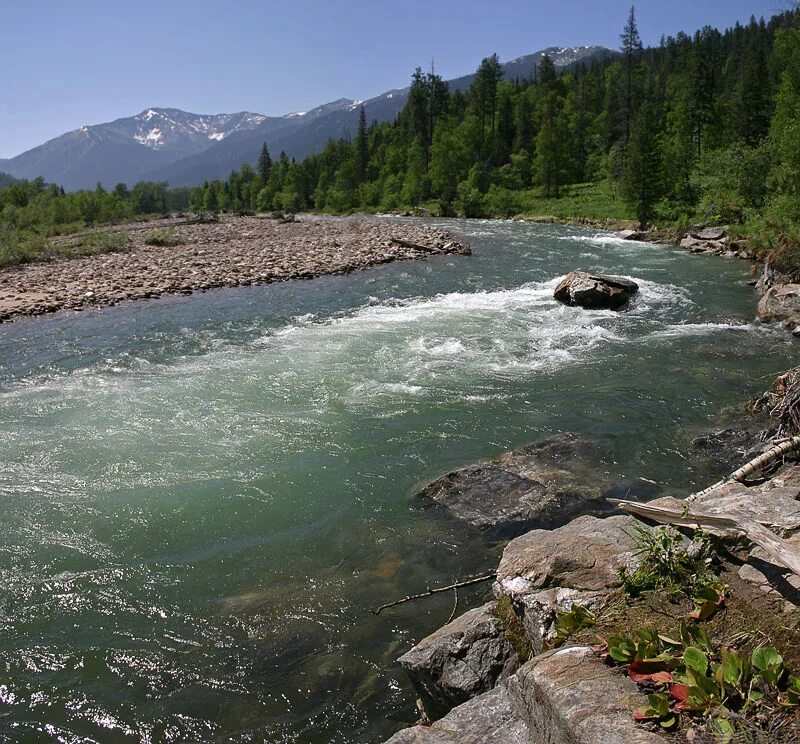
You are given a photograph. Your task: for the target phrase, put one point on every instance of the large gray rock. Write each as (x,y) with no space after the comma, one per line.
(708,233)
(586,554)
(545,572)
(595,291)
(463,659)
(543,485)
(781,304)
(568,696)
(487,719)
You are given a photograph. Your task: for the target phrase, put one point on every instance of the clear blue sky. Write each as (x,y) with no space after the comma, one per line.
(69,63)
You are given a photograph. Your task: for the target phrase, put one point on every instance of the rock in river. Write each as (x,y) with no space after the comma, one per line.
(540,486)
(465,658)
(595,291)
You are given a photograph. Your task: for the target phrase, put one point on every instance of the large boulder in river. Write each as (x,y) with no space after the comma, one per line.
(781,304)
(540,486)
(595,291)
(465,658)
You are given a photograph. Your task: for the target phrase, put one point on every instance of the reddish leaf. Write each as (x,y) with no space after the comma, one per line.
(648,666)
(598,650)
(679,692)
(640,715)
(655,677)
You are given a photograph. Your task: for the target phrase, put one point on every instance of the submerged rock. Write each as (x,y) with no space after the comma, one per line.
(463,659)
(537,486)
(595,291)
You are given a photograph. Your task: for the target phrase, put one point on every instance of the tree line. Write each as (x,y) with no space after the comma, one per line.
(705,124)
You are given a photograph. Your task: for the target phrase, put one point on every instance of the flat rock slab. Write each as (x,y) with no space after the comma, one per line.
(460,661)
(586,554)
(543,485)
(781,304)
(487,719)
(595,291)
(568,696)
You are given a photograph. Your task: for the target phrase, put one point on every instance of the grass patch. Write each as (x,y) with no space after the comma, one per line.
(163,236)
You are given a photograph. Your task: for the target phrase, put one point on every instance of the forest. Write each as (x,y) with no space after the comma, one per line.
(701,128)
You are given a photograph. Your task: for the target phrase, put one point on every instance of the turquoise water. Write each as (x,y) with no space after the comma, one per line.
(202,497)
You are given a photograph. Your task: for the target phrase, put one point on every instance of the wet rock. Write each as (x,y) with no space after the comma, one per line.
(632,235)
(595,291)
(487,719)
(725,450)
(781,304)
(773,275)
(568,696)
(463,659)
(531,487)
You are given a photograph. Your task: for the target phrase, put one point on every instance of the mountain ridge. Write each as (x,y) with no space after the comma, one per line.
(185,149)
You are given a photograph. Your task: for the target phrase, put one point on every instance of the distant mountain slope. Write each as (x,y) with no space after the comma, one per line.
(164,144)
(127,149)
(6,180)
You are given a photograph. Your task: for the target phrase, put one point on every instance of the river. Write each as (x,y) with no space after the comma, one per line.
(202,496)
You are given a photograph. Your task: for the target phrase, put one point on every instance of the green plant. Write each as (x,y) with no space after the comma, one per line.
(769,664)
(99,241)
(666,563)
(163,236)
(573,620)
(658,709)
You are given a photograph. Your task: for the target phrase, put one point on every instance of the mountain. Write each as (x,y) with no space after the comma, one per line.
(6,180)
(164,144)
(127,149)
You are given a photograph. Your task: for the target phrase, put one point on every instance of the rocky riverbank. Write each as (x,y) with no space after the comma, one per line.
(231,252)
(507,673)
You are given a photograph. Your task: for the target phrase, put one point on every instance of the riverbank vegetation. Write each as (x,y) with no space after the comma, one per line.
(701,128)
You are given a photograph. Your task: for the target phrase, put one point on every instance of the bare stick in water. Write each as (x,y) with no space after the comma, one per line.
(437,590)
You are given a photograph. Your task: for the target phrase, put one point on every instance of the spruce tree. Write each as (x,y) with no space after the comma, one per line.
(264,165)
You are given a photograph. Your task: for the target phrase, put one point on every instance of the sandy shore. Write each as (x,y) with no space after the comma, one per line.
(236,251)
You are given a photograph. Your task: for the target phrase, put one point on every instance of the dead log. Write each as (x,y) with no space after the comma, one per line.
(413,246)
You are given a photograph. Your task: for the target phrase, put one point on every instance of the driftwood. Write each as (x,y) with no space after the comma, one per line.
(454,587)
(413,246)
(789,445)
(783,448)
(757,533)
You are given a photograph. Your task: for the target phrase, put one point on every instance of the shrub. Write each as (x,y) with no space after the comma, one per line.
(163,236)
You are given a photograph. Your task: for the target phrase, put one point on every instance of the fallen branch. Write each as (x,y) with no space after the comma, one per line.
(757,533)
(430,592)
(455,605)
(773,453)
(781,449)
(413,246)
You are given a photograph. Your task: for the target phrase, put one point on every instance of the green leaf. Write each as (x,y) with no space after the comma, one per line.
(695,660)
(766,657)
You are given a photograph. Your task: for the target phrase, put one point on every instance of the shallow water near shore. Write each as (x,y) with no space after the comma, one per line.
(202,497)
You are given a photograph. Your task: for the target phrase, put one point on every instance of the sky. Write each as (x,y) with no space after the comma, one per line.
(70,64)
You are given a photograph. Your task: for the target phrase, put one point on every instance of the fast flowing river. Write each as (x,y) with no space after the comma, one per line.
(201,497)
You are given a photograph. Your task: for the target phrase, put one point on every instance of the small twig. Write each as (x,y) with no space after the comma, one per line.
(455,605)
(437,590)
